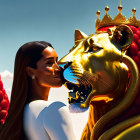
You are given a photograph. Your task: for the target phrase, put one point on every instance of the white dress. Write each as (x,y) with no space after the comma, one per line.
(44,120)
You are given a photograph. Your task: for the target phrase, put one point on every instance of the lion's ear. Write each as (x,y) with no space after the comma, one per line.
(79,35)
(123,36)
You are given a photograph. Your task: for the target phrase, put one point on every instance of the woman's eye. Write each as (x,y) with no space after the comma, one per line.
(49,63)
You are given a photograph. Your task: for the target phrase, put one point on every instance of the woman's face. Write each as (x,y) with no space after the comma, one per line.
(48,71)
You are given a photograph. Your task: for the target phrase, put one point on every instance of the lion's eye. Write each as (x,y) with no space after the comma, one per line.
(94,49)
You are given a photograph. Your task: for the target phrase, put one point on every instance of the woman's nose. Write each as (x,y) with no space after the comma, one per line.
(56,66)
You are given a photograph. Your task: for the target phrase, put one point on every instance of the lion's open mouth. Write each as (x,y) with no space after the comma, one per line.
(78,93)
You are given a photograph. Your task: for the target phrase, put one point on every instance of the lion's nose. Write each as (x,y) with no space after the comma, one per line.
(64,65)
(67,64)
(67,73)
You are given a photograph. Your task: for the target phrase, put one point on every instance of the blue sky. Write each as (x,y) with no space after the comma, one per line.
(54,21)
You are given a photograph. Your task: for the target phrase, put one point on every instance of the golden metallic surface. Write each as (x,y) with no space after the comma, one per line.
(120,8)
(125,130)
(99,62)
(118,20)
(98,13)
(130,96)
(130,133)
(106,9)
(134,11)
(78,36)
(118,35)
(109,31)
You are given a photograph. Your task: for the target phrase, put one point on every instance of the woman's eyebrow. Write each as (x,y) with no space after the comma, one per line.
(50,58)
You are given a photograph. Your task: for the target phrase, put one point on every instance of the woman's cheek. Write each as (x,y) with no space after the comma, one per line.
(49,70)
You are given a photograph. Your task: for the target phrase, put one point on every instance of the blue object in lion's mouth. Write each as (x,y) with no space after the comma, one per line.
(62,65)
(68,74)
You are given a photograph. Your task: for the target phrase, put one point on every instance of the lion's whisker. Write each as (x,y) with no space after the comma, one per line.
(87,78)
(84,82)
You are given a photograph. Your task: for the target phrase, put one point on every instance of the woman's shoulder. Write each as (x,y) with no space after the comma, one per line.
(38,106)
(52,116)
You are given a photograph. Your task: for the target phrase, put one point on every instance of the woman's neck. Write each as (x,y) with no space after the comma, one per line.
(38,92)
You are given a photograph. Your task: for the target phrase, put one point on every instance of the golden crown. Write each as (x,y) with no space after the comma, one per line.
(119,19)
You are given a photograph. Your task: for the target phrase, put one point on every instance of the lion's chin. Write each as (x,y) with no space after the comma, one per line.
(75,108)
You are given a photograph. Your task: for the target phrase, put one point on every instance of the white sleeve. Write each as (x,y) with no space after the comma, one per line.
(57,122)
(32,123)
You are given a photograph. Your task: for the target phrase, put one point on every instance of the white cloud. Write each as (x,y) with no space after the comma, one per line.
(8,92)
(6,75)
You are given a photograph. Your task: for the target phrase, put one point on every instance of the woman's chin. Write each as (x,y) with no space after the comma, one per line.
(57,85)
(75,108)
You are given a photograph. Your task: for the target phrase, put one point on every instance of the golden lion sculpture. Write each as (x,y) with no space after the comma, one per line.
(107,83)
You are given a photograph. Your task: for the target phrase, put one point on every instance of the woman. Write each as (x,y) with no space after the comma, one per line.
(36,71)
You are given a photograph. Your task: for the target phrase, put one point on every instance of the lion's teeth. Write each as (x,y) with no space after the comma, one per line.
(71,90)
(82,97)
(78,93)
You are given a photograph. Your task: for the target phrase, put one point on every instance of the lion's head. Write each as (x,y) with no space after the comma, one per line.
(97,66)
(101,76)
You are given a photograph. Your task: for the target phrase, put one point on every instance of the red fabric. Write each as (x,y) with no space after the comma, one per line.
(105,28)
(4,103)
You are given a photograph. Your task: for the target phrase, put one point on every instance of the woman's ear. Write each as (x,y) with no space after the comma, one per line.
(30,71)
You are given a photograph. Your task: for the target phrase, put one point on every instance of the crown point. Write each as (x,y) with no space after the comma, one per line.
(134,11)
(98,13)
(120,8)
(106,9)
(119,19)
